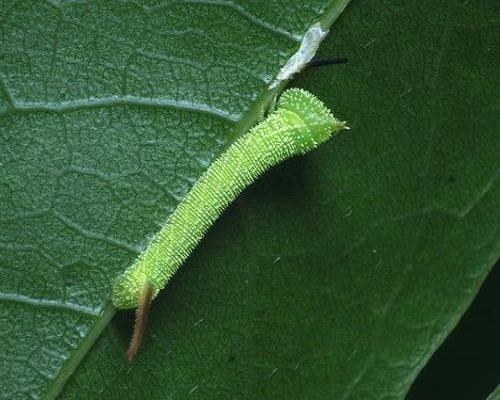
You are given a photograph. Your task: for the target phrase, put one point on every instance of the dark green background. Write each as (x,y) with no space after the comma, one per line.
(467,365)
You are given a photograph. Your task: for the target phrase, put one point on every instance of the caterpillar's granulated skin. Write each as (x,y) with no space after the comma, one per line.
(300,123)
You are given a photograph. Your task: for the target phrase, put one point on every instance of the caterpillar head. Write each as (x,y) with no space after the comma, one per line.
(318,119)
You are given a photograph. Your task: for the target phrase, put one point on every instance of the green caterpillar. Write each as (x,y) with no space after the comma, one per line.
(299,124)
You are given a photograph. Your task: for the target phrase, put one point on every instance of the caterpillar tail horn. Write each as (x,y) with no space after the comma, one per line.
(141,315)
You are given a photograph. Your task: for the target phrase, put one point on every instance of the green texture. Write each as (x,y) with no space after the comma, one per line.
(495,395)
(337,275)
(298,125)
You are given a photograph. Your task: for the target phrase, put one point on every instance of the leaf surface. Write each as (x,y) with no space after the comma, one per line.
(109,112)
(335,276)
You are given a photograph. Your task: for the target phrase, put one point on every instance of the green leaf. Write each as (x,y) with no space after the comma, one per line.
(109,112)
(335,276)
